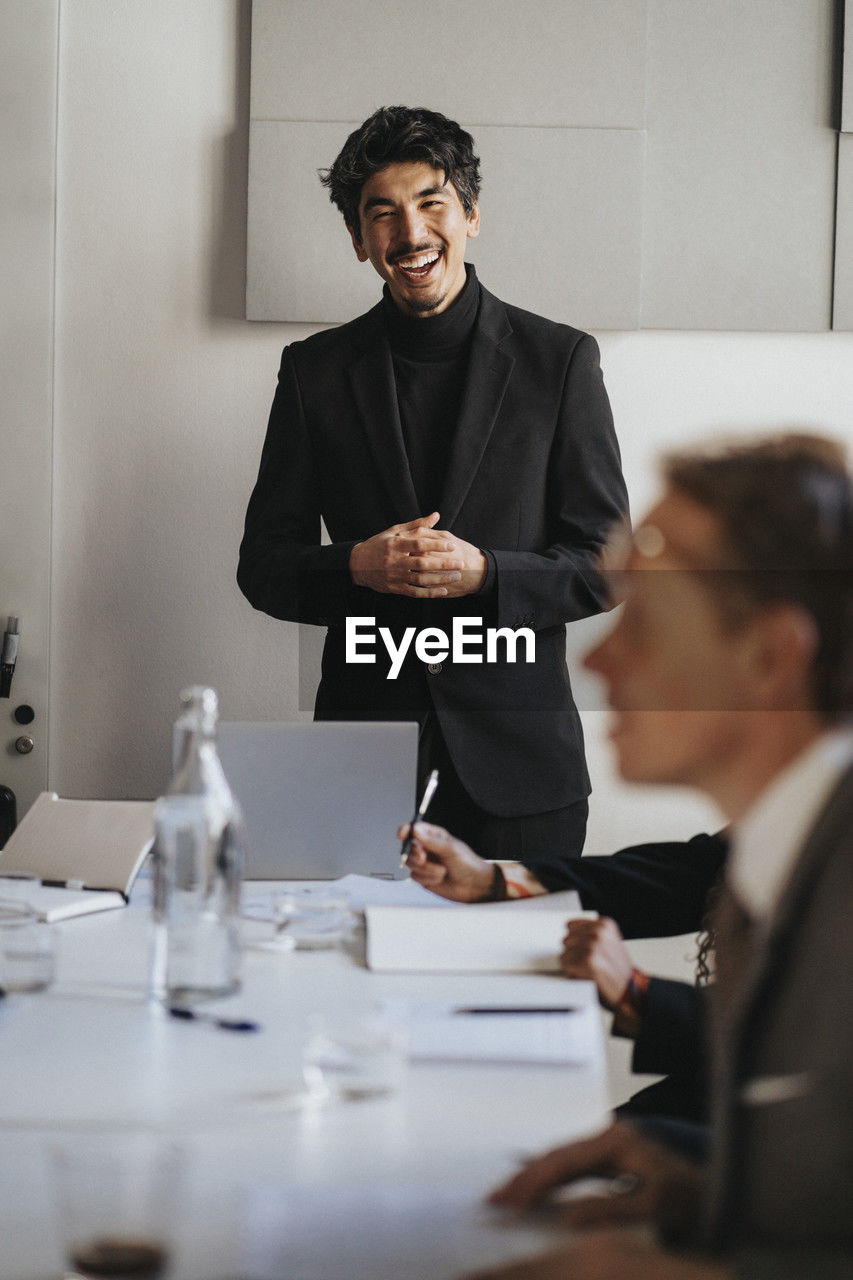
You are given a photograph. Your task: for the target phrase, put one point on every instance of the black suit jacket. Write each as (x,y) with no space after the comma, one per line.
(651,890)
(534,477)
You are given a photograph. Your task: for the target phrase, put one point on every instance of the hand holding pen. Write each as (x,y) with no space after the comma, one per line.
(429,792)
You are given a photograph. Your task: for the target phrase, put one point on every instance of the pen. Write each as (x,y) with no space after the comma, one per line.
(522,1009)
(224,1024)
(429,792)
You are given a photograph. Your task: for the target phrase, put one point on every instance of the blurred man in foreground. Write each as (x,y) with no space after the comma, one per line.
(731,670)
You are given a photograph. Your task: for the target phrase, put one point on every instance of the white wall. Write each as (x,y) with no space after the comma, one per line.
(162,393)
(28,57)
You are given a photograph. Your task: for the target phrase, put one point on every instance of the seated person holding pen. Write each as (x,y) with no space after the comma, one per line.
(650,890)
(731,671)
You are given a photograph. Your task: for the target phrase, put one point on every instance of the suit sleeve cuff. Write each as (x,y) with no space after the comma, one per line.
(488,584)
(520,881)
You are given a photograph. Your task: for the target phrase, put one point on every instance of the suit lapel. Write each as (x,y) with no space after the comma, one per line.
(375,392)
(489,369)
(835,818)
(732,1031)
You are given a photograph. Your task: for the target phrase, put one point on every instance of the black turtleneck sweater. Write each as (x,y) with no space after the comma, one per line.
(430,356)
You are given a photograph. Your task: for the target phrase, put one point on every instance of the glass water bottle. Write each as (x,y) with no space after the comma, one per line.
(198,865)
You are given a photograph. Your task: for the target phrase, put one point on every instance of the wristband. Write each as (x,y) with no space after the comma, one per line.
(515,889)
(628,1012)
(498,890)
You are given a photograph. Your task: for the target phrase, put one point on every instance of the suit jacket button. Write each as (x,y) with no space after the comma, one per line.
(434,668)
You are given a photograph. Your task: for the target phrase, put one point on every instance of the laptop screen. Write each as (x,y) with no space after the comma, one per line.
(322,799)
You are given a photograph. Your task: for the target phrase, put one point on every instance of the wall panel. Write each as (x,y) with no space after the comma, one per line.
(740,168)
(573,254)
(735,148)
(549,62)
(554,95)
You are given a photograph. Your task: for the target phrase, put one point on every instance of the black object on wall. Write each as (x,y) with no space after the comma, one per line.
(8,814)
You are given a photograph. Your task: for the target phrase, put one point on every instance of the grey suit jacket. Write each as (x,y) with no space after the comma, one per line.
(781,1176)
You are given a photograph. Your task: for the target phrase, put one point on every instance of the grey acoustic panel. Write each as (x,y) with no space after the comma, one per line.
(550,62)
(301,265)
(842,311)
(847,72)
(740,166)
(561,222)
(560,225)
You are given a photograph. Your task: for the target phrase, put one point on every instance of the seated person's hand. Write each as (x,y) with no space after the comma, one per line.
(446,865)
(608,1255)
(594,949)
(660,1186)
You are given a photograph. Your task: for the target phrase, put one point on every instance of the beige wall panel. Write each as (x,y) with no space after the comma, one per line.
(740,168)
(549,62)
(842,312)
(560,228)
(300,261)
(561,222)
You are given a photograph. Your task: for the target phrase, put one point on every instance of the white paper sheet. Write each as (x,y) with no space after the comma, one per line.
(53,903)
(364,891)
(441,1032)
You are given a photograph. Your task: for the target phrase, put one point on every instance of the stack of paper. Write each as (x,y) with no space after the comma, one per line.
(523,936)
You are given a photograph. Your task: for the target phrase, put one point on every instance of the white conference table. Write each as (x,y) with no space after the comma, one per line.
(92,1051)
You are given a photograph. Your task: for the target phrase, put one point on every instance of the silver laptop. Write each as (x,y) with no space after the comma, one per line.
(321,800)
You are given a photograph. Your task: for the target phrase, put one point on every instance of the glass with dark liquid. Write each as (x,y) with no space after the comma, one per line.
(113,1257)
(117,1194)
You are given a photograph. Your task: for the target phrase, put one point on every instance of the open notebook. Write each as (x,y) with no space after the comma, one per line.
(87,853)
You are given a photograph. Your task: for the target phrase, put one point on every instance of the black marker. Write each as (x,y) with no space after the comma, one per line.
(8,657)
(224,1024)
(429,792)
(522,1009)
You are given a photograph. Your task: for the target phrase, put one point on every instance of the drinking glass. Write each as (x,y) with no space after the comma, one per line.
(117,1196)
(316,919)
(27,959)
(353,1056)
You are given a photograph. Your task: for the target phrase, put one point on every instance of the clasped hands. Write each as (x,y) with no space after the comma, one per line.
(418,560)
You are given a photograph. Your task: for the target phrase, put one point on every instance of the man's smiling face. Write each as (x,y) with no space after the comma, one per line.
(414,230)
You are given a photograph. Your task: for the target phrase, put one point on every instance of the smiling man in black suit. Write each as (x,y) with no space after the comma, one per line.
(462,455)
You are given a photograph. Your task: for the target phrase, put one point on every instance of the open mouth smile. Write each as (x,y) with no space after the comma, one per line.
(417,267)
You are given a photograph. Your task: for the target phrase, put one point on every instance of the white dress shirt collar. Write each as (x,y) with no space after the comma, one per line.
(769,837)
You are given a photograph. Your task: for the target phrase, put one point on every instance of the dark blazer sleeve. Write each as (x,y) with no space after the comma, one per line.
(283,570)
(650,890)
(672,1029)
(586,497)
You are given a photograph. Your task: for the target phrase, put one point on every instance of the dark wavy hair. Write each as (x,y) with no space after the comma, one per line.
(785,509)
(397,135)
